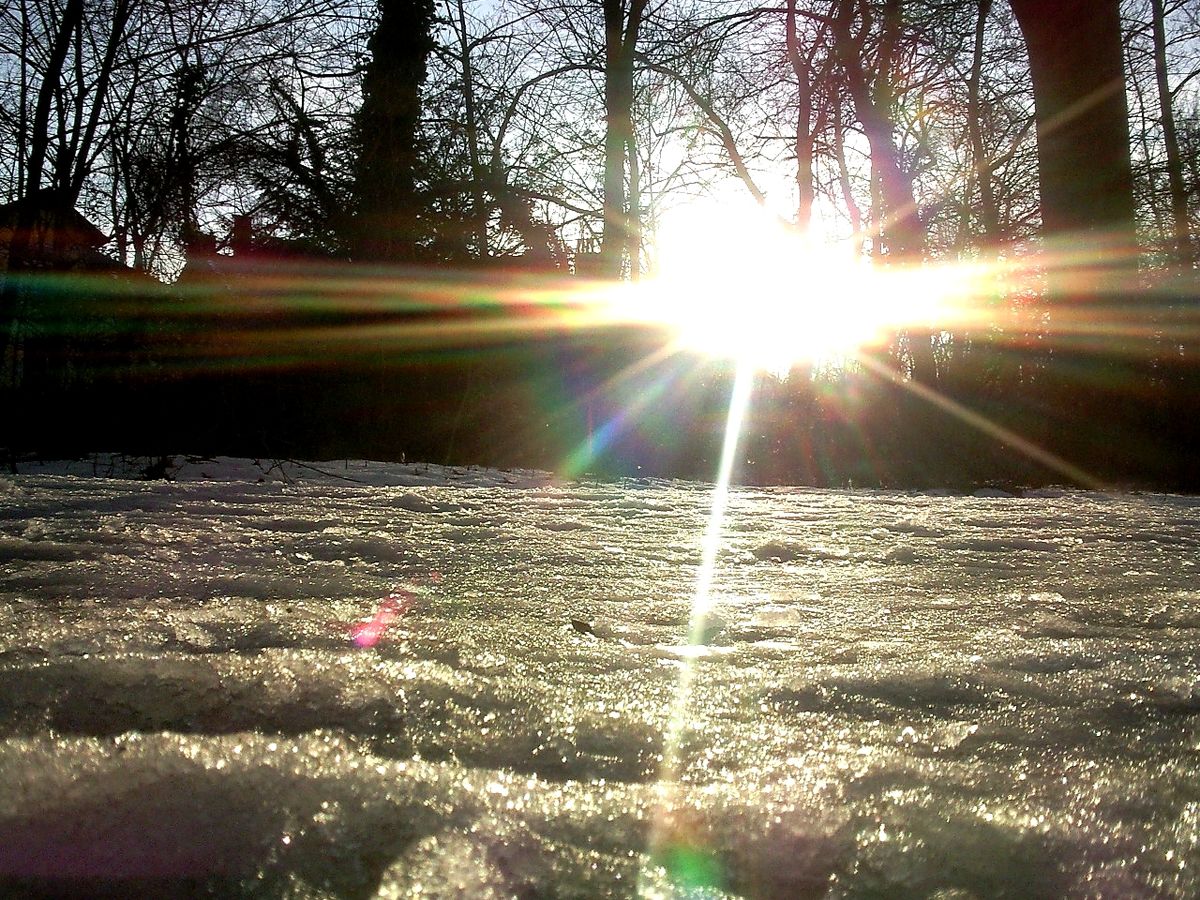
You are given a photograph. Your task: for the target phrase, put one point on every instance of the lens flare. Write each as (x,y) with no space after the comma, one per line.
(684,862)
(393,606)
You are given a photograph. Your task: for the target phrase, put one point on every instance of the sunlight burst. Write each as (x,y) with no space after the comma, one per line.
(735,282)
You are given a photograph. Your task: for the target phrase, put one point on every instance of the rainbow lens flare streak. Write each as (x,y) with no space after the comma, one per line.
(688,865)
(599,438)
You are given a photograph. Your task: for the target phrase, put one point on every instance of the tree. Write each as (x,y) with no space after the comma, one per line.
(896,211)
(1163,65)
(300,164)
(803,68)
(22,253)
(124,105)
(389,221)
(622,26)
(1075,57)
(485,124)
(1178,193)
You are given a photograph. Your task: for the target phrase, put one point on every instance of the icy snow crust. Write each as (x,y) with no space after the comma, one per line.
(905,695)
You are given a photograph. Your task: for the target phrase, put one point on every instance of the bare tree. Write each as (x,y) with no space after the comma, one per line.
(1163,65)
(101,93)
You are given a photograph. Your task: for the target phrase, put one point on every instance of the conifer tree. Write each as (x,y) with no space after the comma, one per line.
(389,226)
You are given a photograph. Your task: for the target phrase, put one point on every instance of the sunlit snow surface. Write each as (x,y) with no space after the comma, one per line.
(904,694)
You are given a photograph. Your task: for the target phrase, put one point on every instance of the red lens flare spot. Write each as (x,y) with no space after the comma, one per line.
(393,606)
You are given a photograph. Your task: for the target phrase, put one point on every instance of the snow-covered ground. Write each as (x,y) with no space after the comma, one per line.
(903,695)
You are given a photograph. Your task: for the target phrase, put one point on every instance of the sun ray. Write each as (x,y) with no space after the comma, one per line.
(985,425)
(665,845)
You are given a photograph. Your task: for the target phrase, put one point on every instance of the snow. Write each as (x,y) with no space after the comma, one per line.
(903,694)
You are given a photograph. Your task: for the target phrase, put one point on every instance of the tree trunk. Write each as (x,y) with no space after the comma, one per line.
(1182,243)
(22,128)
(480,211)
(1077,63)
(122,11)
(843,168)
(39,138)
(804,143)
(902,229)
(387,125)
(989,219)
(1076,60)
(635,209)
(618,103)
(620,43)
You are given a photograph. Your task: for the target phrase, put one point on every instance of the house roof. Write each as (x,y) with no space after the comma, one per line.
(51,210)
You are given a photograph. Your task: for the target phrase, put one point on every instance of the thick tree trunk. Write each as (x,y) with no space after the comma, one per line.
(1085,392)
(618,114)
(388,132)
(1076,60)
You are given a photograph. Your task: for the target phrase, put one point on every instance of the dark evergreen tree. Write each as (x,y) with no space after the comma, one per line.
(389,226)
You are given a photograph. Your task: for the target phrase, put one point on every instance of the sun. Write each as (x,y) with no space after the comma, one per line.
(733,281)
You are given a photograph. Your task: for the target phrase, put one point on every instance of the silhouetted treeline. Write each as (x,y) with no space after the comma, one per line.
(326,377)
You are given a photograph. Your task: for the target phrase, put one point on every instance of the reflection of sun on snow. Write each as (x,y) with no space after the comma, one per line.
(734,282)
